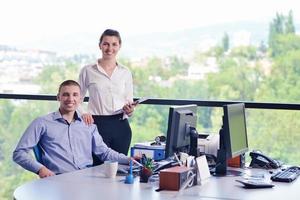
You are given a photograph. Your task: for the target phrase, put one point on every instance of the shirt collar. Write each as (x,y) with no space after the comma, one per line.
(57,115)
(99,68)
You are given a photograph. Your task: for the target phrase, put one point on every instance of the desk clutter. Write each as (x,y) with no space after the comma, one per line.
(183,170)
(154,150)
(177,177)
(175,173)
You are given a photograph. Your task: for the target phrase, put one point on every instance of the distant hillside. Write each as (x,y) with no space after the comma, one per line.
(187,41)
(183,42)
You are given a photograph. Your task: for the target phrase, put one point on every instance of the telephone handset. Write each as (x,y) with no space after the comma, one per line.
(259,160)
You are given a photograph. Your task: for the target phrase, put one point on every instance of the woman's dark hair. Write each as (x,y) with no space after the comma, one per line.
(110,32)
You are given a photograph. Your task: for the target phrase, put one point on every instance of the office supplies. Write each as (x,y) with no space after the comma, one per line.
(163,164)
(251,184)
(187,183)
(174,178)
(120,111)
(177,159)
(190,161)
(287,175)
(87,184)
(202,169)
(136,162)
(139,101)
(129,177)
(156,152)
(124,169)
(259,160)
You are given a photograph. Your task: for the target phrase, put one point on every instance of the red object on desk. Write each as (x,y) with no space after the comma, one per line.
(172,178)
(238,161)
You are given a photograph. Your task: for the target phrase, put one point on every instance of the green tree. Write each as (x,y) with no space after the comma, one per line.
(289,25)
(225,42)
(52,76)
(177,66)
(280,27)
(262,47)
(285,43)
(237,80)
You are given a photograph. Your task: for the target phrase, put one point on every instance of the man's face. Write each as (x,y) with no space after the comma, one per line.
(69,98)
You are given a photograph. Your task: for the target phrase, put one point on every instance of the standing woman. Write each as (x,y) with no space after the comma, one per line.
(110,88)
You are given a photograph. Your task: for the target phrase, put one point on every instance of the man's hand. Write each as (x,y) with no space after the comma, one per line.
(45,172)
(87,118)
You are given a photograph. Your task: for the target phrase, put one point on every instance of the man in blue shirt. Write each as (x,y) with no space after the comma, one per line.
(67,143)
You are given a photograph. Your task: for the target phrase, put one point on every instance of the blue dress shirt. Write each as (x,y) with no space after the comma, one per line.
(65,146)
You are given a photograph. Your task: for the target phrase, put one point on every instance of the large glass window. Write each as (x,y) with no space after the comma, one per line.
(212,50)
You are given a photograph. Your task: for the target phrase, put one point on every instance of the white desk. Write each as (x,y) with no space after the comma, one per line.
(89,184)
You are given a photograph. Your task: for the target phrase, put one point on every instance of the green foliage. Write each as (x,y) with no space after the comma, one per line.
(242,76)
(225,42)
(248,52)
(52,76)
(289,24)
(275,132)
(236,80)
(280,27)
(284,44)
(283,83)
(262,47)
(149,164)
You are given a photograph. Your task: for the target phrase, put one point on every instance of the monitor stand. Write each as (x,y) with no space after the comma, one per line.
(229,172)
(221,168)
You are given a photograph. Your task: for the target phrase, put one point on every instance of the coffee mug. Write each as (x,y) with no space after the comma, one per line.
(110,168)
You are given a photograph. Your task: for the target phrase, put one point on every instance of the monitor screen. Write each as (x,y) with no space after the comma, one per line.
(236,129)
(233,136)
(181,120)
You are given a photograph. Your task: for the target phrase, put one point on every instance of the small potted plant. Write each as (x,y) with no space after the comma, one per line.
(147,170)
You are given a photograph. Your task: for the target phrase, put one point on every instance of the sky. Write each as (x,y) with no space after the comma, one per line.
(24,21)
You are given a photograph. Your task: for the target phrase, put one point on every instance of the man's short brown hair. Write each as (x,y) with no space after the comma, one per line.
(68,83)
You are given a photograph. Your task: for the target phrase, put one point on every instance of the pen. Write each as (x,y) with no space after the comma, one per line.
(136,162)
(176,157)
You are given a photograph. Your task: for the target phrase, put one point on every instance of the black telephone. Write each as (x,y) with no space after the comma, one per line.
(259,160)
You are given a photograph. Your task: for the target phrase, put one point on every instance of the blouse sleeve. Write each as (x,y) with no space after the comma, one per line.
(129,87)
(83,87)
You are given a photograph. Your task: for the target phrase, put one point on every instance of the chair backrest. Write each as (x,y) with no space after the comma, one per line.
(38,153)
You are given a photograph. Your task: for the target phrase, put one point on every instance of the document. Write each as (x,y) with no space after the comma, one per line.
(140,100)
(203,170)
(120,111)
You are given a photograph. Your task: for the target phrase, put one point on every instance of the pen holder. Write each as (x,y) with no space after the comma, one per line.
(145,174)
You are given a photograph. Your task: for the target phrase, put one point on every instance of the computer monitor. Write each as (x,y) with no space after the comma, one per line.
(181,127)
(233,136)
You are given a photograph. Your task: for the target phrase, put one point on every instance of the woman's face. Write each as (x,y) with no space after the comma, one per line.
(110,46)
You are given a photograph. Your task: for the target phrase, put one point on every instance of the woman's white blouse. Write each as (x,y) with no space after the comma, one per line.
(106,94)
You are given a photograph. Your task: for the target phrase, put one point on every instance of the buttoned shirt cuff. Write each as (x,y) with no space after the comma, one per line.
(123,159)
(36,168)
(125,116)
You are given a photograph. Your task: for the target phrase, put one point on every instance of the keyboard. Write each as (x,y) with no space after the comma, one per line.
(287,175)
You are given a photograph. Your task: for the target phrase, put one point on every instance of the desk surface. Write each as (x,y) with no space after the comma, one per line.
(91,184)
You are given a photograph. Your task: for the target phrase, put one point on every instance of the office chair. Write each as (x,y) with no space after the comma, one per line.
(38,153)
